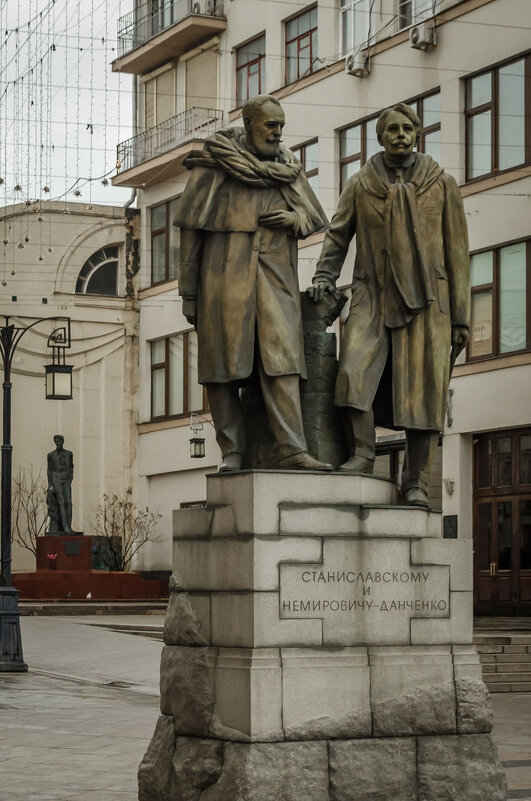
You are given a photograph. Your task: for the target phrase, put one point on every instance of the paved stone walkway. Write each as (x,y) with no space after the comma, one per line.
(68,734)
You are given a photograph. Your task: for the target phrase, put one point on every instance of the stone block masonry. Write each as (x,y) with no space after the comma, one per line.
(318,645)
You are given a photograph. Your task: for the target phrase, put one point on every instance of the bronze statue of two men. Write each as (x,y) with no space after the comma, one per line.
(245,205)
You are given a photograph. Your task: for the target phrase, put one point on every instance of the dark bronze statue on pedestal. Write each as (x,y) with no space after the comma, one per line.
(245,205)
(410,306)
(59,497)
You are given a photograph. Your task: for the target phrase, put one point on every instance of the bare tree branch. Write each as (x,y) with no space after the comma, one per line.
(29,509)
(125,529)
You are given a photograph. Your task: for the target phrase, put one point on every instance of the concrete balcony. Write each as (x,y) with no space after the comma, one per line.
(158,31)
(157,154)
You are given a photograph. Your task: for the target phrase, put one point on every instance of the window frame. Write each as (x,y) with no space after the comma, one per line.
(361,155)
(300,152)
(309,33)
(260,60)
(416,15)
(349,9)
(83,281)
(165,366)
(154,232)
(493,107)
(495,286)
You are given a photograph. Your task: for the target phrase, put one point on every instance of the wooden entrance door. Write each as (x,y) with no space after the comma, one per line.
(502,523)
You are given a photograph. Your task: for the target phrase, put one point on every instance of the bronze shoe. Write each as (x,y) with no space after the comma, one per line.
(357,464)
(231,462)
(414,496)
(302,461)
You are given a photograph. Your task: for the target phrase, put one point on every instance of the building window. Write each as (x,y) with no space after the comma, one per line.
(355,27)
(413,11)
(501,300)
(163,14)
(358,143)
(308,155)
(165,238)
(250,70)
(301,45)
(160,98)
(174,386)
(99,274)
(498,122)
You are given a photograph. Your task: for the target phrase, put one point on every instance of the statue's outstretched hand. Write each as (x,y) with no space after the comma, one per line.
(460,336)
(190,310)
(278,219)
(317,290)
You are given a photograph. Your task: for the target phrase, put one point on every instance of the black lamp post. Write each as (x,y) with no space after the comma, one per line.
(58,386)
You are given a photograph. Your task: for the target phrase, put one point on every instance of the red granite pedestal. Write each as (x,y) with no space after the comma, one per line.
(69,576)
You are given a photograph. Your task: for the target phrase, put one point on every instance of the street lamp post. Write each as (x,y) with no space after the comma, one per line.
(11,659)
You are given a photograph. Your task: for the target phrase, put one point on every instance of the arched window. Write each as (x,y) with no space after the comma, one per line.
(99,274)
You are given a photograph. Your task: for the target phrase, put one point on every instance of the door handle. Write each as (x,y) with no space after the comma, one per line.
(493,568)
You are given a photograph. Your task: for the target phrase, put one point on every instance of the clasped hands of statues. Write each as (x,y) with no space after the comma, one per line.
(460,333)
(280,218)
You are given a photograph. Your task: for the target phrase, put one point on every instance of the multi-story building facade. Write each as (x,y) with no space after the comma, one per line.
(335,64)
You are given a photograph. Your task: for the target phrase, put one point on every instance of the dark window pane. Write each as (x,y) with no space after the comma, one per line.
(176,385)
(512,298)
(505,534)
(195,390)
(175,239)
(481,343)
(484,531)
(484,462)
(525,535)
(158,258)
(479,145)
(479,90)
(505,473)
(104,280)
(511,119)
(158,217)
(525,459)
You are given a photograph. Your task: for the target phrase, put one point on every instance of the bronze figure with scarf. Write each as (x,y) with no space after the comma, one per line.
(246,203)
(410,304)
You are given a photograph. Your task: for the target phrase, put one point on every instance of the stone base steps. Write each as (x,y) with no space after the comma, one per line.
(505,661)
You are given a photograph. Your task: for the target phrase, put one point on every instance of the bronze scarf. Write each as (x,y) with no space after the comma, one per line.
(415,282)
(223,149)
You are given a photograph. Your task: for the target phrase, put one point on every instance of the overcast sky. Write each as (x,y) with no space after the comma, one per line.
(62,110)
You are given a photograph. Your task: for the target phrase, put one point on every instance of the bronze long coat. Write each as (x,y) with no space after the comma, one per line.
(243,275)
(380,324)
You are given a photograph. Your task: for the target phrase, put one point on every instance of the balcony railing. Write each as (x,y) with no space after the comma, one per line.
(194,123)
(154,16)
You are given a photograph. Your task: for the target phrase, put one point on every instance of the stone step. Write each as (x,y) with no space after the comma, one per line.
(507,667)
(509,687)
(487,659)
(511,677)
(503,649)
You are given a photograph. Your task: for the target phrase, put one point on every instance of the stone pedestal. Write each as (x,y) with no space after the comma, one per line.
(318,645)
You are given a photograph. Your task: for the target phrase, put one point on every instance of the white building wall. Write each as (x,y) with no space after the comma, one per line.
(99,423)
